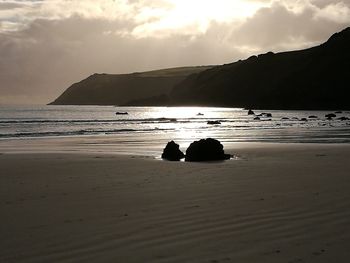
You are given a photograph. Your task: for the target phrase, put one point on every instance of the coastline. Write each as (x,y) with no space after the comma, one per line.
(272,203)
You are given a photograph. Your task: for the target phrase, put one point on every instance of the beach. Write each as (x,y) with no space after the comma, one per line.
(270,203)
(174,131)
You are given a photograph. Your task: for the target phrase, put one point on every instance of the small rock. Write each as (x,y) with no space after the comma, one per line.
(313,117)
(257,118)
(172,152)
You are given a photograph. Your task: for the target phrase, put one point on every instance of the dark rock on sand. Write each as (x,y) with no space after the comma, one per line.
(206,150)
(343,118)
(313,117)
(257,118)
(303,119)
(121,113)
(172,152)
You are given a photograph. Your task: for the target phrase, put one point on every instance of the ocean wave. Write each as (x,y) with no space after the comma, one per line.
(76,133)
(40,121)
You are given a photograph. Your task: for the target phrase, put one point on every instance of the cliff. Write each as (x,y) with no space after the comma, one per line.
(117,89)
(314,78)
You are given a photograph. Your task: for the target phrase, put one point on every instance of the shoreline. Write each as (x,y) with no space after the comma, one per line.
(275,203)
(115,145)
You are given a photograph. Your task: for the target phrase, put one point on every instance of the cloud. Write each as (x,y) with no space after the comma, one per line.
(9,5)
(337,12)
(284,27)
(324,3)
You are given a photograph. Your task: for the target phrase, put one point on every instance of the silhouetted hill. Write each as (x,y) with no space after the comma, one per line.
(110,89)
(314,78)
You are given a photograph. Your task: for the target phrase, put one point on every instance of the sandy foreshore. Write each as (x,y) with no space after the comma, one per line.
(273,203)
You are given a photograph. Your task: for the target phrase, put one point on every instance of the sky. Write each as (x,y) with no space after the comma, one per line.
(47,45)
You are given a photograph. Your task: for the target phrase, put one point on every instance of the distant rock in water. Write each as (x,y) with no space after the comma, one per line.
(172,152)
(330,115)
(250,112)
(206,150)
(313,117)
(121,113)
(200,114)
(213,122)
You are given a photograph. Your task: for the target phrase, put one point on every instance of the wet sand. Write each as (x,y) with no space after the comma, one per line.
(272,203)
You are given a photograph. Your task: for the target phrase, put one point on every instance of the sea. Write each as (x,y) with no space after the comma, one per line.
(159,125)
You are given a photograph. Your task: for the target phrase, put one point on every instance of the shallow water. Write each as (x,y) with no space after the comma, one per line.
(161,124)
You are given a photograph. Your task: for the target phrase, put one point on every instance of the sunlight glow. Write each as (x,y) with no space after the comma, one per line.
(194,16)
